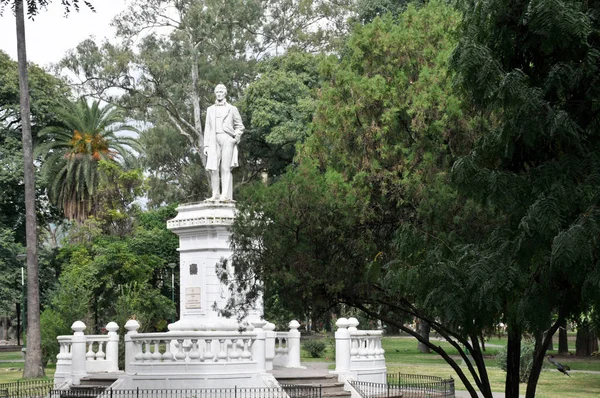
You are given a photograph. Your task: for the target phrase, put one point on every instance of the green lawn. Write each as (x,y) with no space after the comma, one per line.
(402,356)
(551,385)
(12,355)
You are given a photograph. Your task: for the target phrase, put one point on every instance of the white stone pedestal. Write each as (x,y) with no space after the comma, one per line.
(203,230)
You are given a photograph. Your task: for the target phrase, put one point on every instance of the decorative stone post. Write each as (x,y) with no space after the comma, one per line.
(132,327)
(342,346)
(269,329)
(259,347)
(293,344)
(112,347)
(352,324)
(78,359)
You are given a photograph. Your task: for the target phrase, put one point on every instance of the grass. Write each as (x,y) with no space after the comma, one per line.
(10,374)
(551,384)
(10,355)
(402,356)
(13,371)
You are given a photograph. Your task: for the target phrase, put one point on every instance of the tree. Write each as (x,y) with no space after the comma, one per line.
(107,277)
(72,151)
(171,54)
(533,68)
(33,359)
(366,216)
(278,108)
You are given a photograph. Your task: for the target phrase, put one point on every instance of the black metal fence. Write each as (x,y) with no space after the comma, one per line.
(286,391)
(407,386)
(25,389)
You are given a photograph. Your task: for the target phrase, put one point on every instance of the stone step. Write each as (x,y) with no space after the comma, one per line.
(330,387)
(101,380)
(85,391)
(316,383)
(310,379)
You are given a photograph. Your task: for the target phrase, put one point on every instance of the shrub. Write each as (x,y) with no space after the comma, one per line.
(315,348)
(526,361)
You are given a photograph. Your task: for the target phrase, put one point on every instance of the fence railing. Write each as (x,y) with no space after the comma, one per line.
(407,386)
(286,391)
(28,388)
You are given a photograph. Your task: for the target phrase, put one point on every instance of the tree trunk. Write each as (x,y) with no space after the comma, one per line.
(423,329)
(587,341)
(563,342)
(33,359)
(4,321)
(513,362)
(551,344)
(541,347)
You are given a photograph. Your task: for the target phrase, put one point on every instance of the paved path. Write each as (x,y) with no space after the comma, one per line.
(465,394)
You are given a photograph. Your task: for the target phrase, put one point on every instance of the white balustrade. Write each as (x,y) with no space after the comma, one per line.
(192,347)
(80,355)
(63,360)
(287,347)
(366,344)
(281,349)
(359,353)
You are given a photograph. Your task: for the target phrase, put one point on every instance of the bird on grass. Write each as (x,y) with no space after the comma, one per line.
(559,366)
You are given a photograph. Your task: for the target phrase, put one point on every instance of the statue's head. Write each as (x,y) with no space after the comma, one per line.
(221,88)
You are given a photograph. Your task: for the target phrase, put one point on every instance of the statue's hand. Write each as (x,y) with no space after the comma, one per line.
(238,137)
(205,151)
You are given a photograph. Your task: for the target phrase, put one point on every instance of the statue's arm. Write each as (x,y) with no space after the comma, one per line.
(238,125)
(206,128)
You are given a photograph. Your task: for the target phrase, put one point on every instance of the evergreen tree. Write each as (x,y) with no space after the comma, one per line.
(533,69)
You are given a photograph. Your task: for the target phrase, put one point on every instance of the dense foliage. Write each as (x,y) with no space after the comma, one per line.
(405,160)
(534,68)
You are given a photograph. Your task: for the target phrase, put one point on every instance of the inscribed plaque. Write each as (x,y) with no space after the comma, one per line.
(192,298)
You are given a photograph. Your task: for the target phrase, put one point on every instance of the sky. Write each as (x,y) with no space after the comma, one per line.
(51,35)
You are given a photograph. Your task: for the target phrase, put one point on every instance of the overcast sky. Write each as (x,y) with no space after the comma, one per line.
(50,35)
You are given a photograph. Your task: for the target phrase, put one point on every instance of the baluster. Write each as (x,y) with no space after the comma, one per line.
(208,354)
(246,354)
(89,355)
(168,356)
(194,353)
(156,355)
(362,351)
(234,354)
(100,355)
(222,355)
(139,348)
(147,353)
(371,348)
(61,351)
(354,347)
(381,351)
(180,355)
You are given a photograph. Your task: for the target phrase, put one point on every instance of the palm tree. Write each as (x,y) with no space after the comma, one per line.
(72,151)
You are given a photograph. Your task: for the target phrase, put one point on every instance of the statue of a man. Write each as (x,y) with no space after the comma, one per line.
(222,133)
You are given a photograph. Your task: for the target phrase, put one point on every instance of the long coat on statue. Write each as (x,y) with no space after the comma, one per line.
(232,125)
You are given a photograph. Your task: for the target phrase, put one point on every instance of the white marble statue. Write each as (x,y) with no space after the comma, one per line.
(222,133)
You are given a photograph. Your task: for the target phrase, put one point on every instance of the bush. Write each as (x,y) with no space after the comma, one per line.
(526,361)
(315,348)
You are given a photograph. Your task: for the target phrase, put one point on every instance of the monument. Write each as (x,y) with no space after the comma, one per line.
(203,349)
(203,228)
